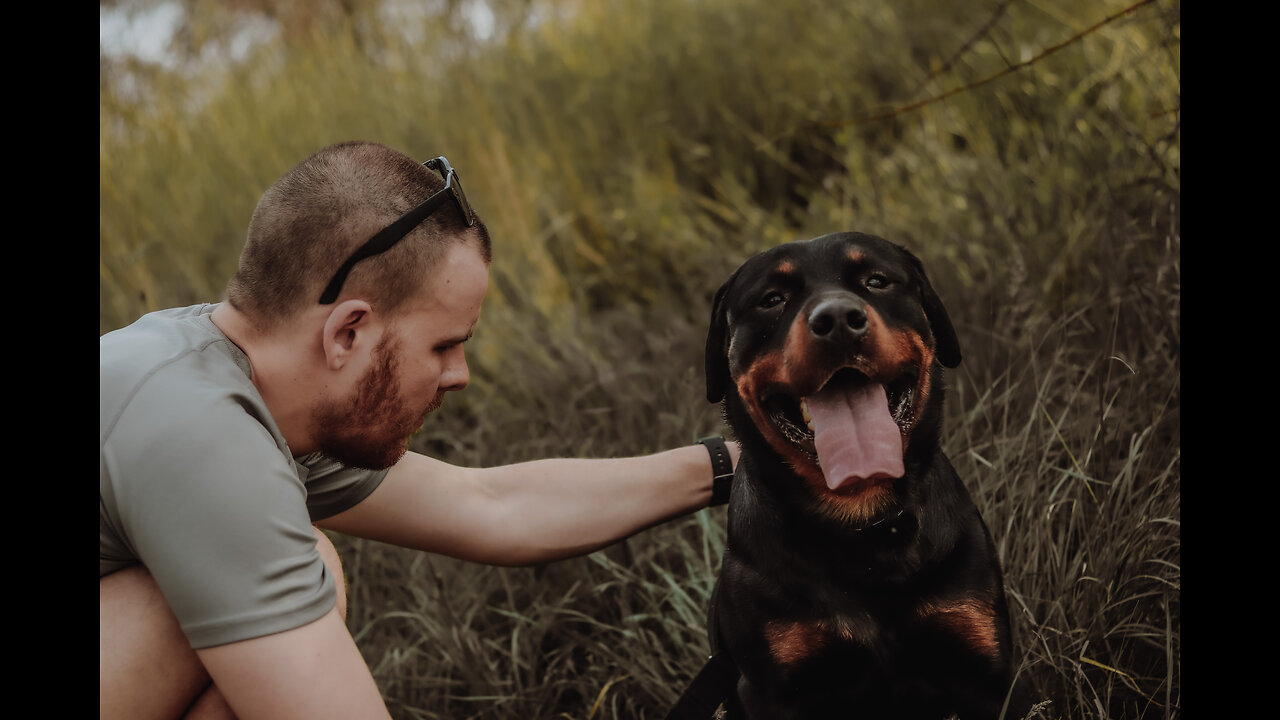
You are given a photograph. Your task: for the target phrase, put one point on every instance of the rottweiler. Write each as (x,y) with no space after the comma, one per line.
(858,579)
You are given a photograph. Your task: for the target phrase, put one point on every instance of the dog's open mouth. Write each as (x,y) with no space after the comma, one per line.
(852,428)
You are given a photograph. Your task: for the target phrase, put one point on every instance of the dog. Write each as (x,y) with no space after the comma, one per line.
(858,579)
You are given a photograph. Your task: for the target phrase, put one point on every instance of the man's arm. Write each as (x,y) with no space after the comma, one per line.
(311,672)
(531,512)
(148,669)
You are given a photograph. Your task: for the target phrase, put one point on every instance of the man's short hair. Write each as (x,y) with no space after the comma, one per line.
(311,219)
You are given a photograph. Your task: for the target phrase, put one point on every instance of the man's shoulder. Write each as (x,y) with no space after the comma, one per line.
(169,360)
(156,336)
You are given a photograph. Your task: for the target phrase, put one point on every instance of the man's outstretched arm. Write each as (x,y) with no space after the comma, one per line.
(531,512)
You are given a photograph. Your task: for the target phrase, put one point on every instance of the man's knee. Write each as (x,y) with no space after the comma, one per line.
(329,554)
(146,667)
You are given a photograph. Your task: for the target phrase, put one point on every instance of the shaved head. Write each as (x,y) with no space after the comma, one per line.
(311,219)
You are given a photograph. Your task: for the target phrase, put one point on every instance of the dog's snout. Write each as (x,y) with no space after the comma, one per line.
(839,320)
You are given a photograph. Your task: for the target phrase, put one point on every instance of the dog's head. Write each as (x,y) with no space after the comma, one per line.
(829,351)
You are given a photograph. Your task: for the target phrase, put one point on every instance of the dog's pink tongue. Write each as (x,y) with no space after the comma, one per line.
(856,438)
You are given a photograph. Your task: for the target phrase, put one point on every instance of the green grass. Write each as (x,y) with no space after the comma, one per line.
(627,156)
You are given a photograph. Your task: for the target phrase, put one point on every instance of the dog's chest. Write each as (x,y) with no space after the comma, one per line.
(790,642)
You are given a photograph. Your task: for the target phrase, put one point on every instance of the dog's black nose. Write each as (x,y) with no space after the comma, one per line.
(839,320)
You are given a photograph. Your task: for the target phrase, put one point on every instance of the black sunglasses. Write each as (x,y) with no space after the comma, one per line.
(392,234)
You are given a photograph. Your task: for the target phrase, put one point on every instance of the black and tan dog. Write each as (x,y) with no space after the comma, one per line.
(859,580)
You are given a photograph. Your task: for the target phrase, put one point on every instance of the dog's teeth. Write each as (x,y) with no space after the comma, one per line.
(804,412)
(903,413)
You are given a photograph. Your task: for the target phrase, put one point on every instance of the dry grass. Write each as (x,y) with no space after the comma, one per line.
(627,157)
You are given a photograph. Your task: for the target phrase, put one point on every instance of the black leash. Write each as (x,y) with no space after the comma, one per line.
(713,684)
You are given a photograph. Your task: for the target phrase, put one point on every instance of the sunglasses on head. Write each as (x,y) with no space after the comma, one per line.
(392,234)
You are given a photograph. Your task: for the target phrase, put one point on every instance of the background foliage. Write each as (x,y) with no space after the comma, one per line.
(627,155)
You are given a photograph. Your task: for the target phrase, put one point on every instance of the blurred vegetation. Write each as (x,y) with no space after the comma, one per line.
(628,155)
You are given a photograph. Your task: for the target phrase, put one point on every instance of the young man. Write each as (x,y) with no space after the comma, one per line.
(229,432)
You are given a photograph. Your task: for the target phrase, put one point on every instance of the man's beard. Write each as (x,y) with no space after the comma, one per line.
(371,430)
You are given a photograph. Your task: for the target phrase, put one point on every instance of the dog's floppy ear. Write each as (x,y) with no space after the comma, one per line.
(717,358)
(947,345)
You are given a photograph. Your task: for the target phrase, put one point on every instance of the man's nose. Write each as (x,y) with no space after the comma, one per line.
(456,374)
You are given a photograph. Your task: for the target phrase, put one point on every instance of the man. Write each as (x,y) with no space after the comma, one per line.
(229,432)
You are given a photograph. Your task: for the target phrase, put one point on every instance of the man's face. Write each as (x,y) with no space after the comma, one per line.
(419,358)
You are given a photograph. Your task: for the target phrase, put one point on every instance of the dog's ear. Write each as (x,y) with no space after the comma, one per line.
(717,357)
(946,343)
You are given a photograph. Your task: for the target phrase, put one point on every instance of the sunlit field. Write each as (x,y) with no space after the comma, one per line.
(627,156)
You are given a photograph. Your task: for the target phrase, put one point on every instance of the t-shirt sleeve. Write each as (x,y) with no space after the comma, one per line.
(218,516)
(333,487)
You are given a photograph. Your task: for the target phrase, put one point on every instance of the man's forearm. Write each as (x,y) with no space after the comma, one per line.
(311,672)
(558,508)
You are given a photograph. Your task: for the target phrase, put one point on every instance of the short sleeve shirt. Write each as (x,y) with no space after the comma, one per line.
(199,486)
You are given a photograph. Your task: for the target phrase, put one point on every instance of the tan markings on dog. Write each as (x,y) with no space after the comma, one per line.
(899,350)
(767,370)
(886,354)
(785,369)
(972,619)
(889,350)
(857,256)
(799,372)
(925,353)
(913,350)
(883,358)
(786,267)
(865,503)
(789,643)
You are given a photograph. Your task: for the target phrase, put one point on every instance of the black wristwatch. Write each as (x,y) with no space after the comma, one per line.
(722,466)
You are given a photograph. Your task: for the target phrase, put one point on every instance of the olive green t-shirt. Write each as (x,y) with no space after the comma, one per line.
(200,487)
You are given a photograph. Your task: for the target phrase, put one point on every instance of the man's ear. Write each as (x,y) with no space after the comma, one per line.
(350,328)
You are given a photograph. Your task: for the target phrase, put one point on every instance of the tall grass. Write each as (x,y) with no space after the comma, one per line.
(627,156)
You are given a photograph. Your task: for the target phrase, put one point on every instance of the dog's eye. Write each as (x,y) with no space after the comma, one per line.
(877,281)
(772,299)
